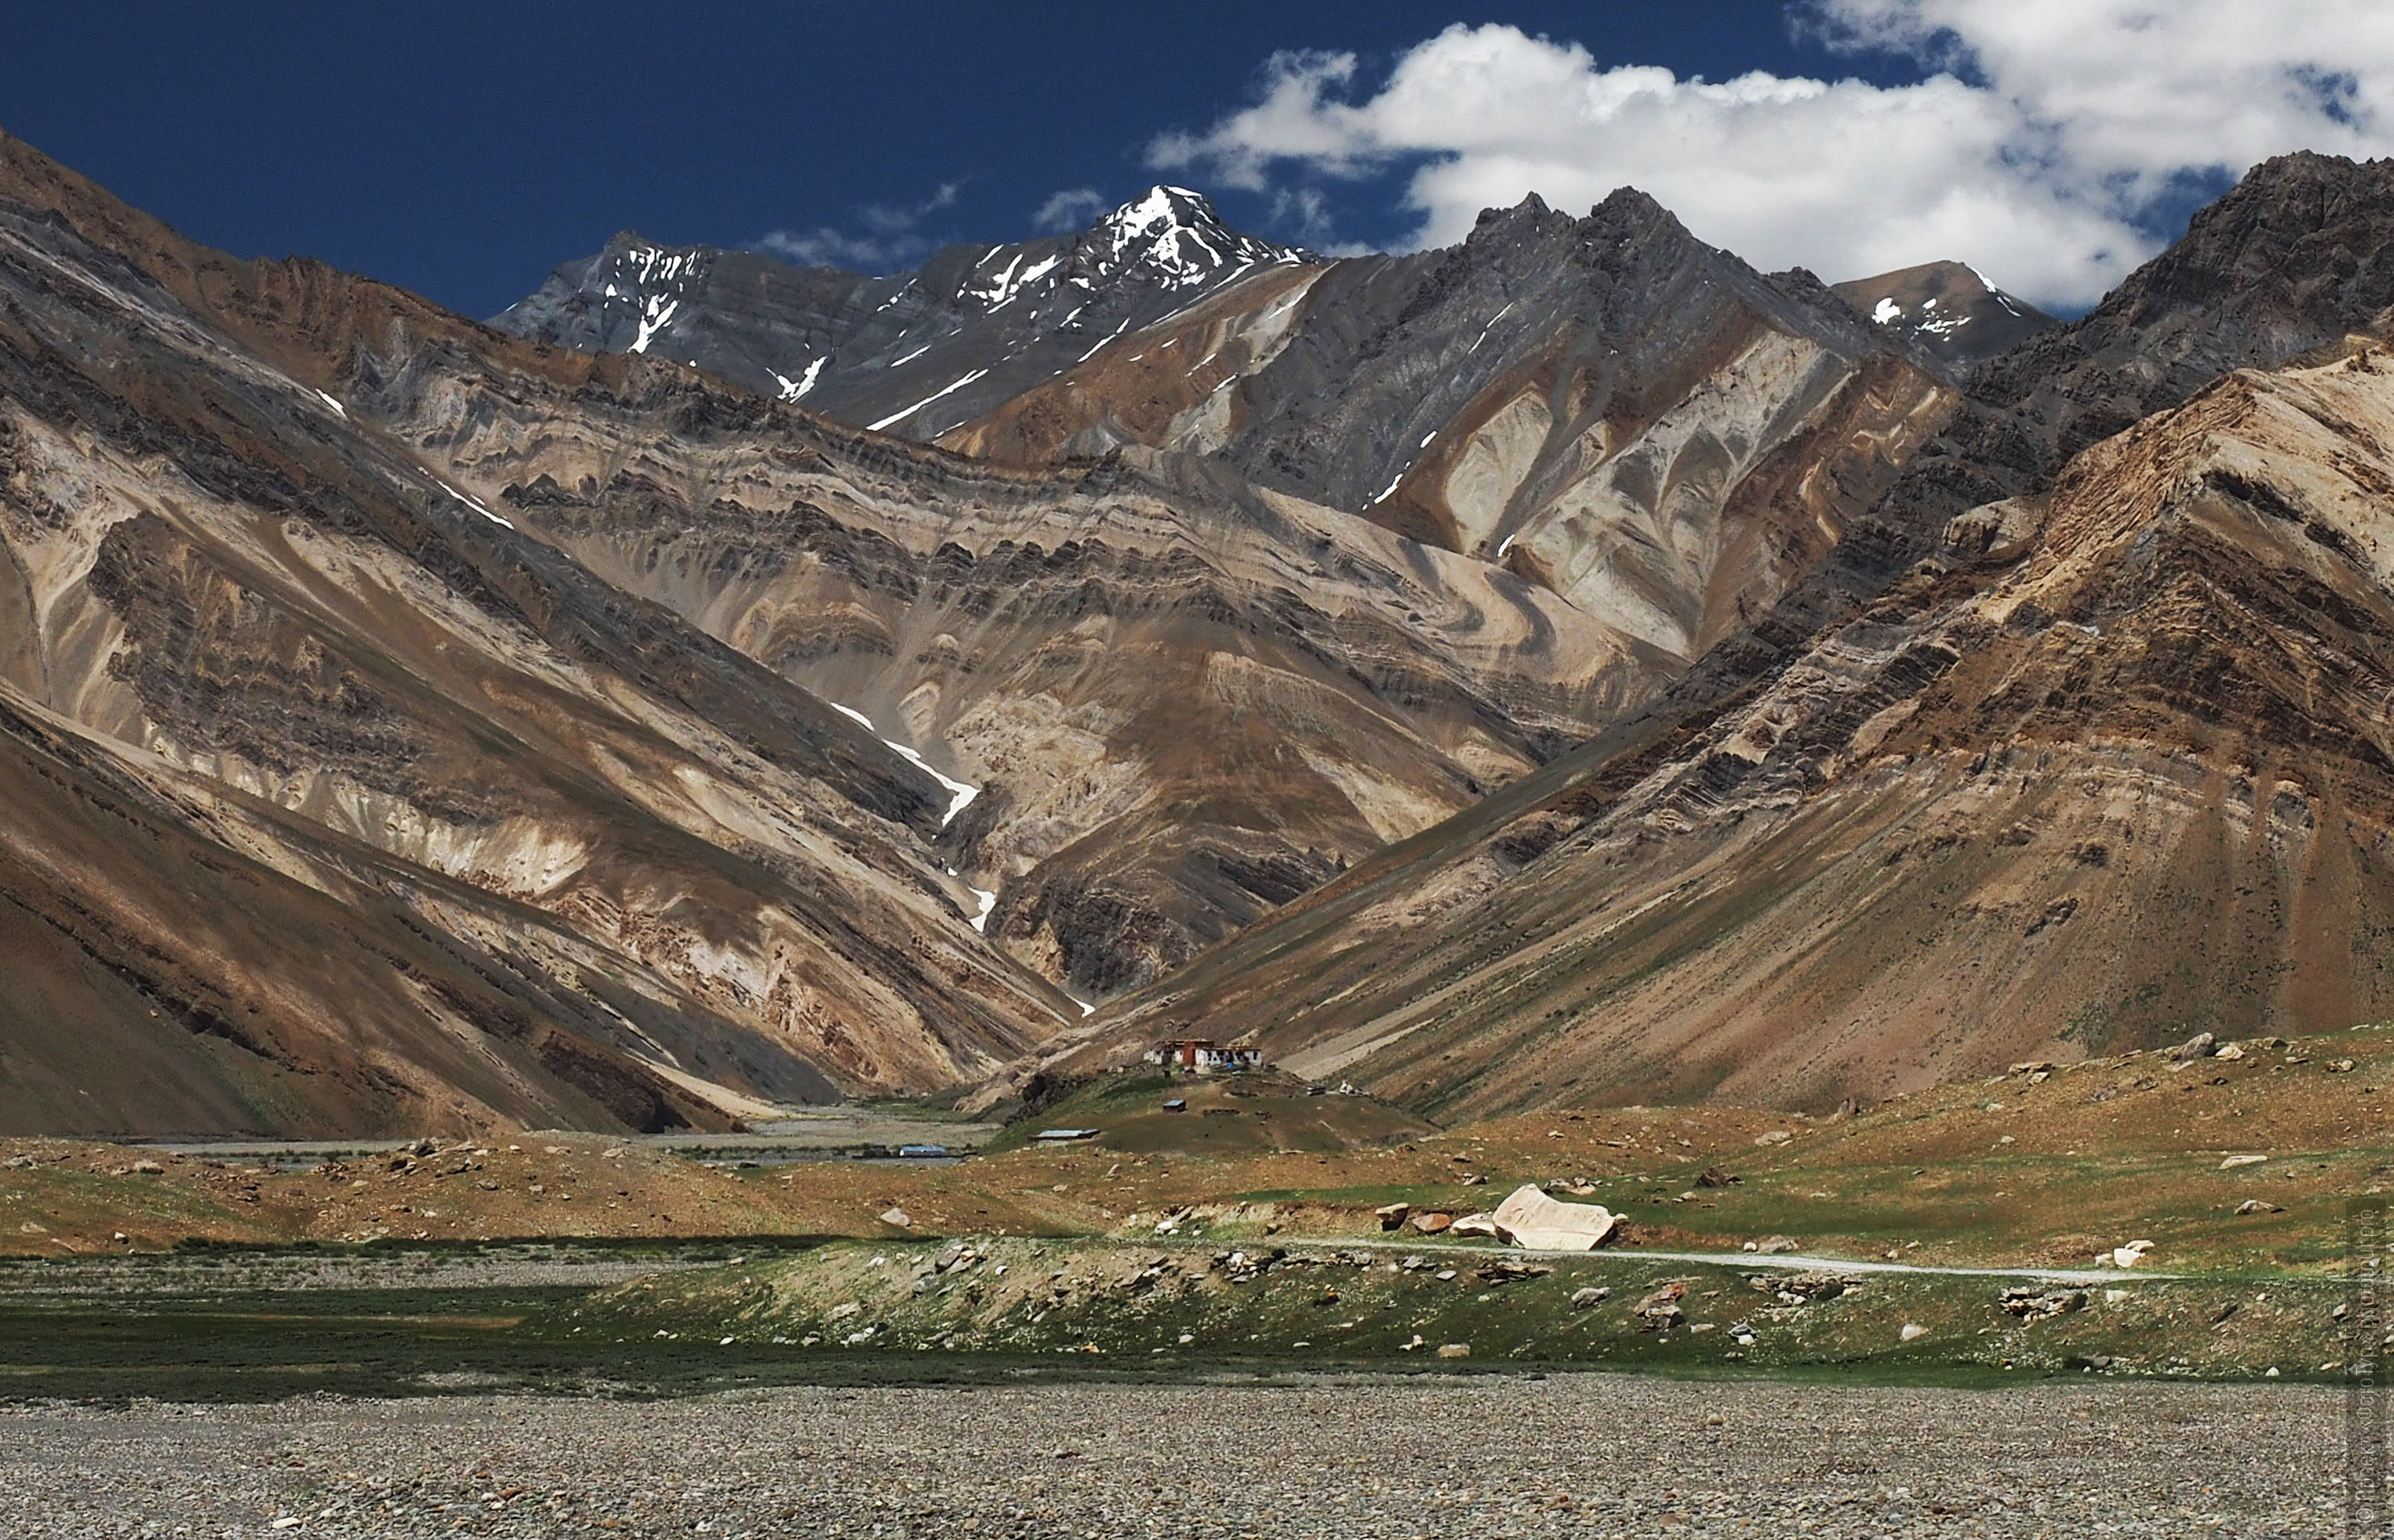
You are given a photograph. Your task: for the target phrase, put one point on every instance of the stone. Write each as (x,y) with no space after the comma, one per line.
(1393,1215)
(1533,1219)
(1774,1246)
(897,1217)
(1776,1136)
(2230,1052)
(1582,1298)
(1483,1225)
(148,1168)
(1454,1350)
(1913,1333)
(2232,1162)
(1433,1224)
(2201,1046)
(2255,1205)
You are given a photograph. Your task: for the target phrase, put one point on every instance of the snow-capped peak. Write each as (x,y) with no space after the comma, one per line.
(644,285)
(1172,235)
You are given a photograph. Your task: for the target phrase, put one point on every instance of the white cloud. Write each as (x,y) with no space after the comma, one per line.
(892,238)
(1074,208)
(2051,137)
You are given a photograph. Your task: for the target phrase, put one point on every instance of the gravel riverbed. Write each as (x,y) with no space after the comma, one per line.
(1351,1458)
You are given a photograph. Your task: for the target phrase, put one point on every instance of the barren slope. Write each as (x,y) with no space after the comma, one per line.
(327,659)
(2109,767)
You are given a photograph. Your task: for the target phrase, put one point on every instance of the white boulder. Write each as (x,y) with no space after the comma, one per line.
(1533,1218)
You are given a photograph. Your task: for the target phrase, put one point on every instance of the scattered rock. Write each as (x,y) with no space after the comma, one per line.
(2201,1046)
(1454,1350)
(1483,1225)
(148,1168)
(1433,1224)
(889,1216)
(2035,1304)
(1714,1176)
(1393,1215)
(2232,1162)
(1912,1332)
(1582,1298)
(2255,1205)
(1776,1136)
(1509,1272)
(1774,1246)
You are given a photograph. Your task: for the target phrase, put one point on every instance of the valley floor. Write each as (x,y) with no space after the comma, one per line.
(1363,1456)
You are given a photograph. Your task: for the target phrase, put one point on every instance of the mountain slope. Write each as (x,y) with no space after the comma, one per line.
(2124,774)
(651,852)
(1606,406)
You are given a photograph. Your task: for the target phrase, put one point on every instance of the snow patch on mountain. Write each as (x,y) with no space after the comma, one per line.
(960,795)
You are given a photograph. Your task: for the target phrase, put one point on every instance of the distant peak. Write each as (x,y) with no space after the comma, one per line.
(1162,207)
(1174,234)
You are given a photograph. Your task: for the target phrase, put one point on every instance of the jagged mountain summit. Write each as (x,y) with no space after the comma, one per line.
(914,353)
(1948,308)
(2090,765)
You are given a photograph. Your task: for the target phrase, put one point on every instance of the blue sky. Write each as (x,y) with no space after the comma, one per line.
(464,150)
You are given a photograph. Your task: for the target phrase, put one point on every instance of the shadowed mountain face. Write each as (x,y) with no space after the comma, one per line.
(914,353)
(2101,764)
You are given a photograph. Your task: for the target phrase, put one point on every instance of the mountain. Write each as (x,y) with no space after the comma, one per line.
(2089,766)
(914,353)
(1605,407)
(336,802)
(641,748)
(1947,309)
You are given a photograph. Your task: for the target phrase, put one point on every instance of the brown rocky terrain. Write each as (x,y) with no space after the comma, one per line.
(276,689)
(567,660)
(2104,764)
(1947,309)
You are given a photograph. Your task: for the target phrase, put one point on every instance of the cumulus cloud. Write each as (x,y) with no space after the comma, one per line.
(1074,208)
(890,236)
(2048,141)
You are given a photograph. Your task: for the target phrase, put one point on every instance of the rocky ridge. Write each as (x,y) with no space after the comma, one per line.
(914,353)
